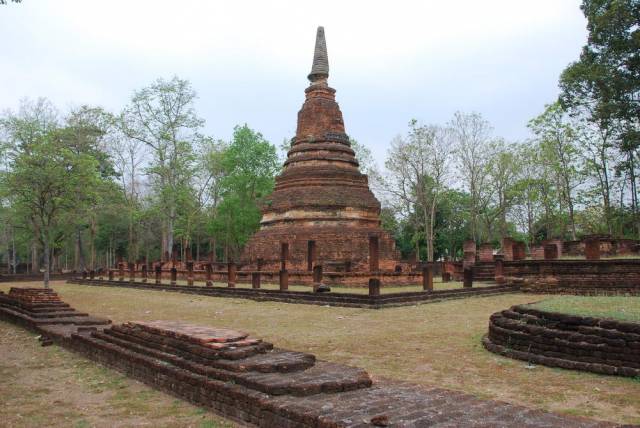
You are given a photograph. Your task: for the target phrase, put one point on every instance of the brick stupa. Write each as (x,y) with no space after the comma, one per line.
(321,205)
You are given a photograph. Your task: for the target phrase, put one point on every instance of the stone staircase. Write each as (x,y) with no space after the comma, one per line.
(42,308)
(227,356)
(484,271)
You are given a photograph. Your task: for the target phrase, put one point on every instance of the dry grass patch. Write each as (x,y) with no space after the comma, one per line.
(435,344)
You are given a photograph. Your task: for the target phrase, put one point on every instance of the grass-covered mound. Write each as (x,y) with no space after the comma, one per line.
(615,307)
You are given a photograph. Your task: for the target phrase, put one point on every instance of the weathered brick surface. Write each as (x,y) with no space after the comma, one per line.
(485,252)
(566,341)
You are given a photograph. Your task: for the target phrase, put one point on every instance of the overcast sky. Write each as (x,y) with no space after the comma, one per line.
(248,61)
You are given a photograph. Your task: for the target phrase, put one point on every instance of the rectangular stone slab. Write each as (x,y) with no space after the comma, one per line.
(208,336)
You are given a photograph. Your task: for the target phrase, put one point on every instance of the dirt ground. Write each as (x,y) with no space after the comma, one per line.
(435,344)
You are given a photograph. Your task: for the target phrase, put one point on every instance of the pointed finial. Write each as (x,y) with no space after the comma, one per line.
(320,67)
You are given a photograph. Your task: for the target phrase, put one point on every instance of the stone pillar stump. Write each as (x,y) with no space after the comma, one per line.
(427,277)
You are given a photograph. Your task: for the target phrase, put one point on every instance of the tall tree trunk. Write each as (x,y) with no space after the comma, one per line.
(13,252)
(81,262)
(47,260)
(212,249)
(92,243)
(170,221)
(164,244)
(35,266)
(7,251)
(634,192)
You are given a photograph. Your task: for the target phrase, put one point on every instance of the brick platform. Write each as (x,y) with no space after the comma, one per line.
(42,308)
(251,381)
(311,298)
(566,341)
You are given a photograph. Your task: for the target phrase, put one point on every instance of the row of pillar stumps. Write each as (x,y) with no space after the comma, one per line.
(283,274)
(318,286)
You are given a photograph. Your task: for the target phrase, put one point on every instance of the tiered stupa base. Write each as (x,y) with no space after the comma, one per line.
(337,248)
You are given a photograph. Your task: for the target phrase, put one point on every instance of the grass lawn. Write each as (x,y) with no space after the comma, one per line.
(435,344)
(616,307)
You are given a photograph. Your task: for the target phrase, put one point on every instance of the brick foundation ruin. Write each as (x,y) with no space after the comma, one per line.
(566,341)
(344,299)
(253,382)
(588,277)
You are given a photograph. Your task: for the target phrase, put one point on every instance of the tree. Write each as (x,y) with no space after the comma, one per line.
(502,170)
(84,133)
(605,82)
(473,152)
(560,153)
(250,164)
(45,183)
(162,117)
(418,168)
(34,119)
(128,155)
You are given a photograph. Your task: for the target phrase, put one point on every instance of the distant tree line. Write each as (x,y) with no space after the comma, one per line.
(82,189)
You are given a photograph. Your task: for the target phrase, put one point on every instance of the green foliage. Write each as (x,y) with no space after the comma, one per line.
(48,181)
(608,71)
(250,164)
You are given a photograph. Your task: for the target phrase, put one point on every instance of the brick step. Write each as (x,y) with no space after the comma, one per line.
(257,360)
(65,314)
(322,377)
(34,307)
(484,272)
(403,404)
(68,312)
(483,277)
(49,308)
(79,320)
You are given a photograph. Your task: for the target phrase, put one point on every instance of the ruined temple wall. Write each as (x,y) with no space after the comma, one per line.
(608,247)
(577,274)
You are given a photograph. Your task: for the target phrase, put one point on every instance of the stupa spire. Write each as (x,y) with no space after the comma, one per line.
(320,67)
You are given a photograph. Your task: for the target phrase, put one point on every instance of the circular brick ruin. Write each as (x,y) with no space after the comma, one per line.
(573,342)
